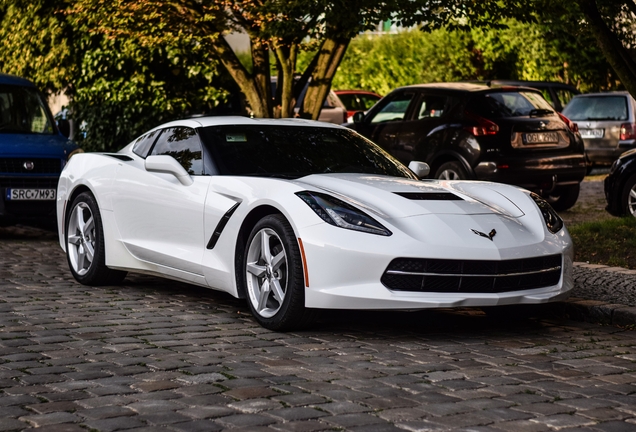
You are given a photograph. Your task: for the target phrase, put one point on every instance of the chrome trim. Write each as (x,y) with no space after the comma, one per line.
(403,273)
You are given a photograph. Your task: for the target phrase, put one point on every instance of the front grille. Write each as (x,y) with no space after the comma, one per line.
(28,183)
(39,165)
(472,276)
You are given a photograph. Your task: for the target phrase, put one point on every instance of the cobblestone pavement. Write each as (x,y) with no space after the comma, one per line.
(158,355)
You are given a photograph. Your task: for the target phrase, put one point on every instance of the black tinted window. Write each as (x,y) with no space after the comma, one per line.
(597,108)
(295,151)
(143,144)
(183,144)
(509,104)
(394,109)
(358,102)
(430,106)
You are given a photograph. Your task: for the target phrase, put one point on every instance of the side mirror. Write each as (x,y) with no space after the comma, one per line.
(64,126)
(169,165)
(358,116)
(420,169)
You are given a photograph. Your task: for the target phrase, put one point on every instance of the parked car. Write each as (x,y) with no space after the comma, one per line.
(620,185)
(333,110)
(33,152)
(357,100)
(607,123)
(472,131)
(556,93)
(294,215)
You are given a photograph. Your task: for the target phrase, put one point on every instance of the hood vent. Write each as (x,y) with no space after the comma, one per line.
(429,196)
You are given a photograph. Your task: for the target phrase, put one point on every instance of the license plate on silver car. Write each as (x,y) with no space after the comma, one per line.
(30,194)
(540,137)
(591,133)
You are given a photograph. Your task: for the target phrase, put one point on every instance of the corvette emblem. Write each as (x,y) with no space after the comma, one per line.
(490,235)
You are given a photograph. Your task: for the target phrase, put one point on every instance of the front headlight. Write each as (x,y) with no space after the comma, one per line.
(338,213)
(552,220)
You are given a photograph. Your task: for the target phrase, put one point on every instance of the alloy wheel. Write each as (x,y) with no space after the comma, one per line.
(81,238)
(449,174)
(631,201)
(266,272)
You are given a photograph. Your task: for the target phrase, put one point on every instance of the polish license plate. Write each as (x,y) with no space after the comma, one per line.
(592,133)
(541,137)
(30,194)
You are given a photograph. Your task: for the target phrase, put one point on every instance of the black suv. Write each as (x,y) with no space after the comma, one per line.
(471,131)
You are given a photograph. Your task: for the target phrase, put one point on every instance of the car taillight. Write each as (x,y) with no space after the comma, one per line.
(628,131)
(573,126)
(484,126)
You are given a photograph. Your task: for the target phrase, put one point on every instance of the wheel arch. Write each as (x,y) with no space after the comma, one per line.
(79,189)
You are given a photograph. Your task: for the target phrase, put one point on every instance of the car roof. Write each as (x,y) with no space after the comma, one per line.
(15,80)
(609,93)
(466,87)
(206,121)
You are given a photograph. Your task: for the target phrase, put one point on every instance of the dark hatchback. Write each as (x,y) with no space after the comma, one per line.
(471,131)
(33,152)
(620,185)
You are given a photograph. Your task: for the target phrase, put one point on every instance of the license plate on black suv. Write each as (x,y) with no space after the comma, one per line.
(30,194)
(540,138)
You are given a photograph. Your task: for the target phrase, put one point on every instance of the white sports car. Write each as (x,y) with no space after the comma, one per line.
(297,215)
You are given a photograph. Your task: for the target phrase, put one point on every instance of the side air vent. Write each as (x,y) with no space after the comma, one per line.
(121,157)
(429,196)
(220,226)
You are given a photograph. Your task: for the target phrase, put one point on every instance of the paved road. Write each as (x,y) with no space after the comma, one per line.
(158,355)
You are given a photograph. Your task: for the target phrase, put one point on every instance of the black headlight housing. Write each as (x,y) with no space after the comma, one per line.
(552,220)
(338,213)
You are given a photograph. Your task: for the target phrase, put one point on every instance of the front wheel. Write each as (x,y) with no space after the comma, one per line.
(564,197)
(451,171)
(628,198)
(274,279)
(85,244)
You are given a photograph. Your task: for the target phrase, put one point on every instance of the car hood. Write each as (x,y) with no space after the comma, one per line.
(20,145)
(393,197)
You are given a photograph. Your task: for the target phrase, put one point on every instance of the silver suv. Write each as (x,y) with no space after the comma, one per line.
(606,122)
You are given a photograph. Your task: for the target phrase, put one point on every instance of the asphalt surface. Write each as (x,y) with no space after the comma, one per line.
(153,354)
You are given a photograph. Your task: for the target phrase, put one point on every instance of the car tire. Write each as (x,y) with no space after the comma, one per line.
(564,197)
(451,171)
(274,281)
(628,198)
(85,244)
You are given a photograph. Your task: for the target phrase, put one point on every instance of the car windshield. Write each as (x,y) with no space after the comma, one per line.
(597,108)
(22,110)
(295,151)
(510,104)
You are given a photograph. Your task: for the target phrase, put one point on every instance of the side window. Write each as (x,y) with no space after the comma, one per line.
(143,144)
(547,96)
(182,143)
(431,106)
(394,109)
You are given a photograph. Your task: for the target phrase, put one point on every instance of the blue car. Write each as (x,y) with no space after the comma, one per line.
(33,152)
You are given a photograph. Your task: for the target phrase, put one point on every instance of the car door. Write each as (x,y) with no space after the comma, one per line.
(419,129)
(161,220)
(385,121)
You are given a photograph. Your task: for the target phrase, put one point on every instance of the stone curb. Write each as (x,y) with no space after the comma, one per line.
(595,310)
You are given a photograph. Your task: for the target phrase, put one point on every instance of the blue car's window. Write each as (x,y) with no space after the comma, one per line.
(22,110)
(295,151)
(183,144)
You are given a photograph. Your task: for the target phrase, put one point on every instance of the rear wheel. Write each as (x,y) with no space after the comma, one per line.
(564,197)
(451,171)
(85,244)
(629,197)
(274,279)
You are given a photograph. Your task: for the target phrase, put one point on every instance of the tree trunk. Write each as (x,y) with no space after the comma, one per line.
(261,77)
(329,57)
(286,56)
(615,52)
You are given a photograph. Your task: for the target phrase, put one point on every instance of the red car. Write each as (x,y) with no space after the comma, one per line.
(357,100)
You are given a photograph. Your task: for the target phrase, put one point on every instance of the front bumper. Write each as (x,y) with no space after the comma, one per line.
(346,272)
